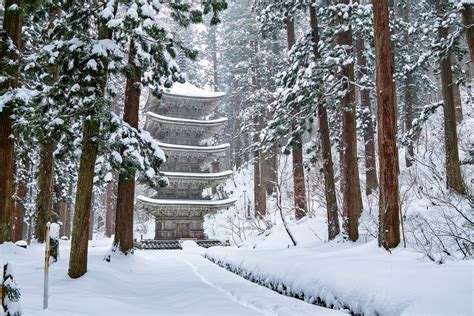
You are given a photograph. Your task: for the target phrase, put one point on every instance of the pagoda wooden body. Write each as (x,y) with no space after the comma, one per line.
(178,121)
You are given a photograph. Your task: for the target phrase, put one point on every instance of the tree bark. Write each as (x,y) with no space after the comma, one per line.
(82,209)
(213,31)
(126,184)
(62,209)
(237,144)
(110,207)
(12,25)
(91,218)
(389,222)
(246,138)
(45,190)
(468,19)
(46,164)
(352,200)
(328,171)
(85,181)
(21,194)
(456,92)
(453,168)
(260,197)
(371,182)
(408,95)
(297,149)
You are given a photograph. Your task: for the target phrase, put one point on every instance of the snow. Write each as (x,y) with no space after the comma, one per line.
(146,283)
(220,147)
(189,90)
(361,276)
(186,121)
(223,202)
(197,175)
(54,231)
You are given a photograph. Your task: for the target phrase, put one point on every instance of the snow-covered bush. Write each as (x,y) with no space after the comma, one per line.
(10,293)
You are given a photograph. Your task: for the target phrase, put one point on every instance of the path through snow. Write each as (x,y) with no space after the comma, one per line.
(147,283)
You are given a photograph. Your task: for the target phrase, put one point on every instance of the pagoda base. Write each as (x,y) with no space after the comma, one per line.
(176,228)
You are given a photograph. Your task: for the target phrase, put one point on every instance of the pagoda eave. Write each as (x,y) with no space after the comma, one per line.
(187,122)
(197,176)
(182,208)
(220,149)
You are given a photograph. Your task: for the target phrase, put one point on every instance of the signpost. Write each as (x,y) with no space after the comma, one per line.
(46,268)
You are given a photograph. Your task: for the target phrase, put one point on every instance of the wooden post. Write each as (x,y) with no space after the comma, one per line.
(46,268)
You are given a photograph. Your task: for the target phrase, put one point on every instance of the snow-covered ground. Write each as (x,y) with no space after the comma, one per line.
(360,276)
(147,283)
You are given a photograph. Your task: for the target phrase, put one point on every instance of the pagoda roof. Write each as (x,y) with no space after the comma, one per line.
(204,149)
(198,176)
(191,91)
(182,121)
(178,203)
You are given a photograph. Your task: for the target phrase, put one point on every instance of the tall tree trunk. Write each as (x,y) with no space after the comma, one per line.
(468,19)
(408,97)
(238,144)
(246,138)
(453,169)
(45,190)
(352,199)
(126,184)
(85,181)
(110,207)
(389,221)
(297,149)
(82,208)
(46,165)
(62,209)
(329,183)
(272,155)
(213,31)
(91,218)
(12,24)
(456,92)
(21,194)
(371,182)
(260,197)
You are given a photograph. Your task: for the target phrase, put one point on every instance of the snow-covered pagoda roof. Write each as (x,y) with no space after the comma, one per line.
(189,90)
(204,149)
(181,121)
(198,176)
(190,207)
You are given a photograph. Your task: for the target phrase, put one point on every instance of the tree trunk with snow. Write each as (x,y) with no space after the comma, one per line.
(389,221)
(45,190)
(126,183)
(297,149)
(110,207)
(328,170)
(85,181)
(457,91)
(12,25)
(46,165)
(82,209)
(409,92)
(371,182)
(21,194)
(260,196)
(453,168)
(352,200)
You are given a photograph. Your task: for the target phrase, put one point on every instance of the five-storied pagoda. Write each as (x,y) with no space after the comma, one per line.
(179,122)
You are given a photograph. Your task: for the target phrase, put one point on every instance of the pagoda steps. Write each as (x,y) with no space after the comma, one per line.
(152,244)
